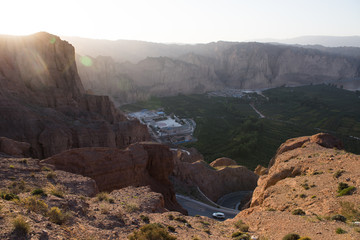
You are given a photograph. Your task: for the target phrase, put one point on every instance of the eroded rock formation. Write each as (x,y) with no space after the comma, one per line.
(140,164)
(213,183)
(42,100)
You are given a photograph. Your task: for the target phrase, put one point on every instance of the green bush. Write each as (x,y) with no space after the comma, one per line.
(180,219)
(340,231)
(339,218)
(57,216)
(21,227)
(9,196)
(38,191)
(342,186)
(151,231)
(304,238)
(291,236)
(346,191)
(298,212)
(241,226)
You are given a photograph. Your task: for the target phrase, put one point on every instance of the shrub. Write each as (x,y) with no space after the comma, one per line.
(129,207)
(51,175)
(305,186)
(236,234)
(17,187)
(338,173)
(302,195)
(291,236)
(342,186)
(145,219)
(104,196)
(171,228)
(151,231)
(34,204)
(346,191)
(171,217)
(47,169)
(39,191)
(241,226)
(298,212)
(338,217)
(21,226)
(57,190)
(57,216)
(340,231)
(304,238)
(180,219)
(9,196)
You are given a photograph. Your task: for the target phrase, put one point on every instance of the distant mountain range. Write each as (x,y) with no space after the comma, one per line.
(130,71)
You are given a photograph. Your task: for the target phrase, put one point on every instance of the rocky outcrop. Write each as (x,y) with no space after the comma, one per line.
(214,183)
(43,102)
(306,174)
(223,162)
(14,148)
(138,165)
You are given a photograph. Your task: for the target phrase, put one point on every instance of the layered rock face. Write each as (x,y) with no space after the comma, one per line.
(140,164)
(306,174)
(202,68)
(42,100)
(214,183)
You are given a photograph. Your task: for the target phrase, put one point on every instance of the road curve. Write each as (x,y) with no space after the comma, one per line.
(198,208)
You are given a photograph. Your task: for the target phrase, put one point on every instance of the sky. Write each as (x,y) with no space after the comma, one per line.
(182,21)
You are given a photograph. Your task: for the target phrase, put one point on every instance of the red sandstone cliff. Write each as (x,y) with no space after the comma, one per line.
(42,100)
(140,164)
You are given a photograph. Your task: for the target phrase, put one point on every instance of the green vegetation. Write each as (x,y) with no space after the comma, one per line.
(104,196)
(9,196)
(340,231)
(345,189)
(298,212)
(241,226)
(240,236)
(153,231)
(21,227)
(350,211)
(145,218)
(39,191)
(33,203)
(339,218)
(291,236)
(230,127)
(57,216)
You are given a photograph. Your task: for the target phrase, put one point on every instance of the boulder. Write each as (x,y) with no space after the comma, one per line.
(14,148)
(223,162)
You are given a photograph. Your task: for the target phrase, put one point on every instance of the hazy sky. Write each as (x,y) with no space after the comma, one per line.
(181,21)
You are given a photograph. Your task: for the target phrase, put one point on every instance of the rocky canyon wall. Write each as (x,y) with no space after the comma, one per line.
(43,102)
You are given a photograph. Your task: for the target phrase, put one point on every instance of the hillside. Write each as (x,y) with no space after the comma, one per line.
(167,70)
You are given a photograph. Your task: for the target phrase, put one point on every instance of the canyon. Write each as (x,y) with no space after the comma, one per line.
(68,153)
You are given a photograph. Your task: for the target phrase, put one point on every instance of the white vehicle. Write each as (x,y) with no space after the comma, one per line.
(218,215)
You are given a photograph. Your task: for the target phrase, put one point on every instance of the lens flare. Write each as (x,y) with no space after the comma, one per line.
(86,61)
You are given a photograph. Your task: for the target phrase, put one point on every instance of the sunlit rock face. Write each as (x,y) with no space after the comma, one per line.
(42,100)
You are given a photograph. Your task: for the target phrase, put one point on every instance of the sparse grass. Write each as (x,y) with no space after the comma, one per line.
(151,231)
(57,216)
(305,186)
(21,226)
(131,207)
(350,211)
(241,226)
(298,212)
(56,190)
(291,236)
(104,208)
(11,167)
(340,231)
(17,187)
(207,231)
(104,196)
(34,204)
